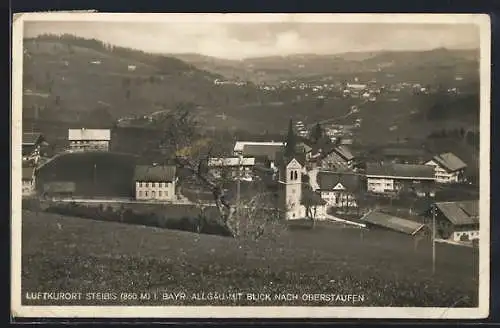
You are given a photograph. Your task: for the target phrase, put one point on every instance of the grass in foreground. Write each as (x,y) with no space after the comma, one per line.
(65,254)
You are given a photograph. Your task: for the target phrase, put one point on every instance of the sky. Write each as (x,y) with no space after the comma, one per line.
(243,40)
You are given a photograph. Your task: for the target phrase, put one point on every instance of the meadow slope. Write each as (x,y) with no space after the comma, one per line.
(70,254)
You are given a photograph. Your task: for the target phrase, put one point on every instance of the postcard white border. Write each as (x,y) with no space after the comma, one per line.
(482,311)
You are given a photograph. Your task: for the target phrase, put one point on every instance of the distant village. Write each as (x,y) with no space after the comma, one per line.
(313,169)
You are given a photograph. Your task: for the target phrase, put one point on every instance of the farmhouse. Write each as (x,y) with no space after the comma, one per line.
(390,222)
(89,139)
(458,221)
(330,155)
(339,189)
(393,178)
(31,145)
(230,166)
(28,180)
(155,182)
(448,168)
(338,157)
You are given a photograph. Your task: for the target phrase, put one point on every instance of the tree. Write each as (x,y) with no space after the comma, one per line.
(190,148)
(316,133)
(291,140)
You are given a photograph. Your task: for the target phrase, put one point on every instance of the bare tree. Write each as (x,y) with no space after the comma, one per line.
(191,149)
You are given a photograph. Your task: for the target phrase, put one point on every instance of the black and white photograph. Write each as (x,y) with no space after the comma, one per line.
(250,165)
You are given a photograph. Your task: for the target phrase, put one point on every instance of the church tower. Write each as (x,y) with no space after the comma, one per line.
(291,182)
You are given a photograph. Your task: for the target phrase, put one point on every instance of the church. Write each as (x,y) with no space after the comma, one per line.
(297,200)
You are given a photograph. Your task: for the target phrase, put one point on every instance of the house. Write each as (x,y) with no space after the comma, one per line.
(338,157)
(339,189)
(448,168)
(392,178)
(28,180)
(389,222)
(457,221)
(131,68)
(230,166)
(89,139)
(155,182)
(31,145)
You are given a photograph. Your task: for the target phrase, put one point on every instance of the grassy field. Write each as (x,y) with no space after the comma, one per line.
(95,174)
(76,255)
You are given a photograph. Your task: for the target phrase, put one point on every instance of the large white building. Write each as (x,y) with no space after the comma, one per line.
(89,139)
(448,168)
(155,182)
(392,178)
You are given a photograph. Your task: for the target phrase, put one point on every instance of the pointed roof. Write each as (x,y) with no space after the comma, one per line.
(449,162)
(460,213)
(282,160)
(344,152)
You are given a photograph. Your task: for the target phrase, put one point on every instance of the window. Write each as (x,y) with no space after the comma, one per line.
(140,193)
(291,175)
(163,184)
(155,184)
(295,175)
(150,184)
(146,193)
(153,194)
(159,193)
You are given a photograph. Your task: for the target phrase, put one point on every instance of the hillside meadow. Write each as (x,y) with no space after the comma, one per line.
(62,253)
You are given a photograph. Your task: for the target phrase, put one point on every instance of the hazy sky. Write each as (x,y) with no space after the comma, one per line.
(242,40)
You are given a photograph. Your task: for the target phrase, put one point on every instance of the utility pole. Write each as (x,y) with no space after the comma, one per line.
(238,184)
(433,209)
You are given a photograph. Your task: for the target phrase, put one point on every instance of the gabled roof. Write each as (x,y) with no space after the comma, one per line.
(303,147)
(31,138)
(262,150)
(231,161)
(28,172)
(395,223)
(282,160)
(449,162)
(160,173)
(403,171)
(328,180)
(89,134)
(460,213)
(344,152)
